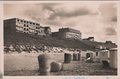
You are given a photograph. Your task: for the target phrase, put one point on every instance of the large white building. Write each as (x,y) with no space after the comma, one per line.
(67,33)
(24,26)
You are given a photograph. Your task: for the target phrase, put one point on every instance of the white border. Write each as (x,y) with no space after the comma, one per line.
(67,77)
(1,38)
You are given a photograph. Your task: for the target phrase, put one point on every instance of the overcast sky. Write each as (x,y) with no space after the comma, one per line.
(98,20)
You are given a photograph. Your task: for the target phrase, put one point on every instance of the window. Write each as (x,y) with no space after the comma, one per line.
(33,23)
(17,20)
(24,29)
(30,22)
(96,53)
(21,20)
(24,21)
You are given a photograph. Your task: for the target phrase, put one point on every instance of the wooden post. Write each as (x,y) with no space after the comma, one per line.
(79,56)
(113,58)
(67,58)
(56,66)
(44,64)
(75,56)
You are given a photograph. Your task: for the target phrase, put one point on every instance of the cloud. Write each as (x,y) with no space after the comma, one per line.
(53,11)
(108,12)
(65,14)
(114,19)
(110,31)
(49,6)
(98,20)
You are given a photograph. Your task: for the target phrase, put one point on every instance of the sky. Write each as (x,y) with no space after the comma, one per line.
(98,20)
